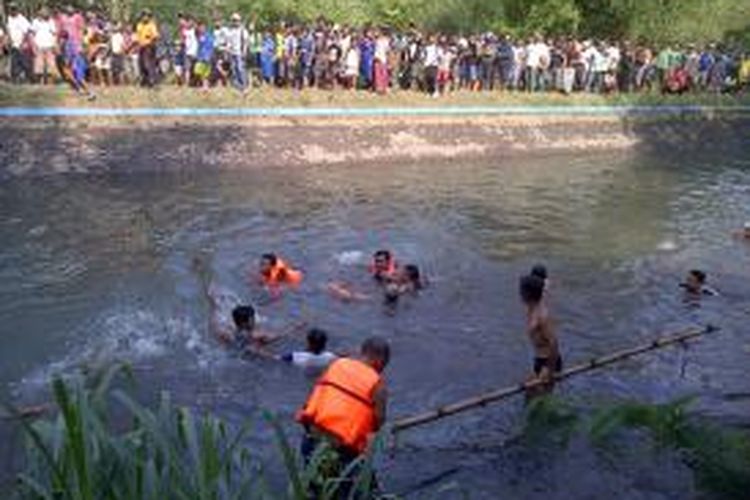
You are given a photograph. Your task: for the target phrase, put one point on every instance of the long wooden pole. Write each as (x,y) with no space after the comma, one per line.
(593,364)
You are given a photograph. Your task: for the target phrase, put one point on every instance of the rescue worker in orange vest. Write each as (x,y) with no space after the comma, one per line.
(347,405)
(274,272)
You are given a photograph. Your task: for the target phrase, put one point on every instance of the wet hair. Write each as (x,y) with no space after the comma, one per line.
(531,288)
(382,253)
(270,257)
(699,275)
(412,272)
(316,340)
(540,271)
(243,316)
(376,349)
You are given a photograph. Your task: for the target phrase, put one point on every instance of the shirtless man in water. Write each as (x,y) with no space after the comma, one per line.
(541,332)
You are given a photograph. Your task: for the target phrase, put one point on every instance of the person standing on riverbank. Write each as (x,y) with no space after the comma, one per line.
(346,408)
(146,35)
(541,333)
(237,39)
(18,31)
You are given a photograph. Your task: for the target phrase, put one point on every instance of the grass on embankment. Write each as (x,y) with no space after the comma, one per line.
(169,96)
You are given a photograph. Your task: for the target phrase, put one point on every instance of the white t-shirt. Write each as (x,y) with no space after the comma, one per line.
(613,57)
(117,43)
(352,62)
(18,26)
(535,53)
(431,55)
(191,43)
(312,364)
(382,45)
(45,33)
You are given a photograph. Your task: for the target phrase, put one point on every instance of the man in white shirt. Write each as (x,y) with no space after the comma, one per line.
(537,60)
(431,58)
(18,30)
(45,41)
(237,38)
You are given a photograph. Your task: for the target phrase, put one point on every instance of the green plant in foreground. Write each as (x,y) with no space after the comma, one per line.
(83,453)
(719,457)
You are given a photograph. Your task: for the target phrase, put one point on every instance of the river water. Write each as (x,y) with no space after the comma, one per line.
(96,268)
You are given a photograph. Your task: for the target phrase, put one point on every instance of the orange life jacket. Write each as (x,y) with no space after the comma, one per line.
(341,403)
(389,272)
(281,273)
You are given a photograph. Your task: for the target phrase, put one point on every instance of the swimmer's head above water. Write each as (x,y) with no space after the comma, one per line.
(244,318)
(317,340)
(531,289)
(540,271)
(383,264)
(695,281)
(267,262)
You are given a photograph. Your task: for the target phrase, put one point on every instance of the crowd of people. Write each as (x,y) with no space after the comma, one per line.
(86,48)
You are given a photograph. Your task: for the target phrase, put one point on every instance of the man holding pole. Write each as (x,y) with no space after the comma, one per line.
(541,332)
(346,407)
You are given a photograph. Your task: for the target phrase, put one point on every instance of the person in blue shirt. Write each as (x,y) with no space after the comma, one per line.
(203,66)
(267,54)
(367,61)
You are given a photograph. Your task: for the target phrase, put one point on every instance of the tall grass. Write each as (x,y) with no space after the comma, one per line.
(719,457)
(167,453)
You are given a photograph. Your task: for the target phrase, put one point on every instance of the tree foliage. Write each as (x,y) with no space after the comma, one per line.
(657,21)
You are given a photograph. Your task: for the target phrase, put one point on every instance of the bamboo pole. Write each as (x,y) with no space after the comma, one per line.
(504,393)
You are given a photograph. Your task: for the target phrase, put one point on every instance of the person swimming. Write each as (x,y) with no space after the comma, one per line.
(408,280)
(244,333)
(315,358)
(384,266)
(274,272)
(695,285)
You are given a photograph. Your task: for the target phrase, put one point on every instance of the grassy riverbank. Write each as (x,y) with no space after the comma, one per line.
(171,97)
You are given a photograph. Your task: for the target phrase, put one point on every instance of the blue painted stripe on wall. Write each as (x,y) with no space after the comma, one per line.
(562,110)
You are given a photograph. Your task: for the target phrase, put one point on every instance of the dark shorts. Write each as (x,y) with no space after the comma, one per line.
(555,367)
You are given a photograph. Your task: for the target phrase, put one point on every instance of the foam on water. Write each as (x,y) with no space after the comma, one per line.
(350,258)
(126,335)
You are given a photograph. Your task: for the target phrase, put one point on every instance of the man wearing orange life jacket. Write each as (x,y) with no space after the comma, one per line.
(275,272)
(384,266)
(347,405)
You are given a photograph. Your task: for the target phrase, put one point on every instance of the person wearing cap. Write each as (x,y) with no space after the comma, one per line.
(146,36)
(237,40)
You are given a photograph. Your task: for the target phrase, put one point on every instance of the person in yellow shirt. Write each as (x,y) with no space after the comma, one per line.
(146,36)
(744,74)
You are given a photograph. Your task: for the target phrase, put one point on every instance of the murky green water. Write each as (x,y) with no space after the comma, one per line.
(101,268)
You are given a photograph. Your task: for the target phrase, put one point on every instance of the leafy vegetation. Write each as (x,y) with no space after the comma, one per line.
(719,457)
(662,21)
(84,453)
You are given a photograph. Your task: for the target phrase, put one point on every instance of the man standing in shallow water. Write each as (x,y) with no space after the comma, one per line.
(541,332)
